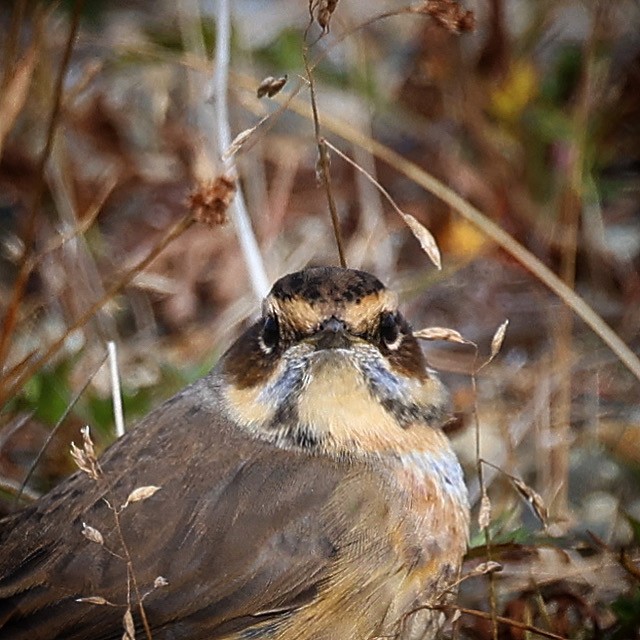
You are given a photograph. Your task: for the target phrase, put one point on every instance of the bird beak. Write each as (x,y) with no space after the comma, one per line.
(333,334)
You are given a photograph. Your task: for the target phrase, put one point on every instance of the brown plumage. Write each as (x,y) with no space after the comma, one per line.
(306,492)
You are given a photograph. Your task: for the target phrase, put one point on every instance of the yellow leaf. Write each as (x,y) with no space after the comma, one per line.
(515,92)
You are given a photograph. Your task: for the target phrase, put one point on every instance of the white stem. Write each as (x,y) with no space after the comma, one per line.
(248,243)
(115,389)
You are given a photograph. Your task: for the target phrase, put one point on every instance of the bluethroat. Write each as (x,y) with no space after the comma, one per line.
(303,490)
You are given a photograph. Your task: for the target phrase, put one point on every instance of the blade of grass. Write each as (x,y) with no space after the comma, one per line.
(23,485)
(8,387)
(486,226)
(11,316)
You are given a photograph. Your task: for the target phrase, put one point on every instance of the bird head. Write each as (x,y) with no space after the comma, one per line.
(331,363)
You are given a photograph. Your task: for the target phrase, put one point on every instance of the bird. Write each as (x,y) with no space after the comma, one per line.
(302,490)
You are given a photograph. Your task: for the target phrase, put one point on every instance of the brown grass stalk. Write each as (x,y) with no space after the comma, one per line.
(11,317)
(13,38)
(52,433)
(9,387)
(568,220)
(480,221)
(323,156)
(515,624)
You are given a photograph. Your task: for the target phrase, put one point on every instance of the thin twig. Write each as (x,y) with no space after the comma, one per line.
(568,220)
(8,430)
(54,431)
(323,157)
(11,316)
(248,242)
(9,390)
(483,491)
(285,101)
(486,226)
(131,574)
(516,624)
(309,67)
(88,217)
(424,236)
(88,462)
(12,41)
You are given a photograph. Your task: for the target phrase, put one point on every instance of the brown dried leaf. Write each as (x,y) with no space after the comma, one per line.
(498,339)
(15,93)
(533,498)
(159,582)
(324,11)
(129,626)
(441,333)
(92,534)
(141,493)
(484,517)
(96,600)
(487,567)
(238,141)
(270,86)
(424,237)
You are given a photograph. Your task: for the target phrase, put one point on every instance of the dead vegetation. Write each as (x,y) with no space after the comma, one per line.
(502,138)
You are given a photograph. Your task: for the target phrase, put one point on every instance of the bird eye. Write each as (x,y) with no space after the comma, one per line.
(270,334)
(389,331)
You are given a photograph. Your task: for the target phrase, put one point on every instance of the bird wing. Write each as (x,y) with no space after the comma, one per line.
(244,533)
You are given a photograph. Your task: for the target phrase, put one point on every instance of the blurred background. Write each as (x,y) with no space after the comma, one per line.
(532,116)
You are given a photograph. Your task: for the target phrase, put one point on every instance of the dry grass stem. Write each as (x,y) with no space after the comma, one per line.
(323,159)
(420,232)
(486,226)
(54,431)
(15,92)
(10,385)
(514,624)
(240,140)
(20,493)
(12,41)
(20,283)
